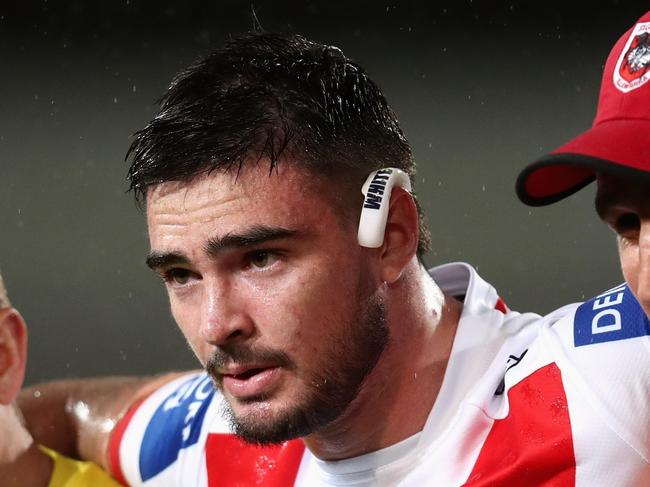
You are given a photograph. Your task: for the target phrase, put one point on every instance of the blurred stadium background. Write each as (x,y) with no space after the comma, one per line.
(481,89)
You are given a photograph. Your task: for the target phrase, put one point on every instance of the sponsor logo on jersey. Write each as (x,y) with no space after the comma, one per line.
(175,425)
(613,315)
(513,361)
(376,189)
(632,67)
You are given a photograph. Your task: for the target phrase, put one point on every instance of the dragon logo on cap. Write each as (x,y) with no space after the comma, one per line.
(634,63)
(637,58)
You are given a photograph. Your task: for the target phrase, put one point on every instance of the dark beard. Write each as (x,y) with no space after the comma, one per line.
(348,362)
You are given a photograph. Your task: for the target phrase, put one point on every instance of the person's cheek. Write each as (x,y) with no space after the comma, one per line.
(636,272)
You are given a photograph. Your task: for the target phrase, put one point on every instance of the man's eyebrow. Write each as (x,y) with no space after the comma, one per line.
(156,260)
(252,236)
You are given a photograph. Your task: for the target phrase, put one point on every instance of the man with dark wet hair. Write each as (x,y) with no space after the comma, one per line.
(277,186)
(264,98)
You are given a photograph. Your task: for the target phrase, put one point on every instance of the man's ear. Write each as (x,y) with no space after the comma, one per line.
(13,353)
(401,235)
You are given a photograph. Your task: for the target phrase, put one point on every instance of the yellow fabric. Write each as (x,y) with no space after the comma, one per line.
(73,473)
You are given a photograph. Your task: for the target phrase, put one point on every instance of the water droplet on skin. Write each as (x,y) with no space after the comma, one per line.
(107,425)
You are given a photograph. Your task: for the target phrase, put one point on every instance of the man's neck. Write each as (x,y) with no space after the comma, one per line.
(397,397)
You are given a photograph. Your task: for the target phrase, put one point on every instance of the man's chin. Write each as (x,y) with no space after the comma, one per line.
(260,423)
(264,427)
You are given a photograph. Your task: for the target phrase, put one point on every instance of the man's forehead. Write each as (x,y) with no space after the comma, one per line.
(622,189)
(181,194)
(247,179)
(253,191)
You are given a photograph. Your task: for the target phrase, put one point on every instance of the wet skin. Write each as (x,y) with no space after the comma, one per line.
(624,204)
(266,281)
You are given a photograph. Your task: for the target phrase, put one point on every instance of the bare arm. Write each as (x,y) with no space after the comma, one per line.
(76,417)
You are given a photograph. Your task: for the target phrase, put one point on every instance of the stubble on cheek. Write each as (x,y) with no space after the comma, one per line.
(325,388)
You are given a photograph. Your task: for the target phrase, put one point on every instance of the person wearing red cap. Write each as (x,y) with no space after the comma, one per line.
(615,152)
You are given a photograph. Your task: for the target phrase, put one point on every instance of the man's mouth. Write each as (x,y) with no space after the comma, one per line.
(244,382)
(248,373)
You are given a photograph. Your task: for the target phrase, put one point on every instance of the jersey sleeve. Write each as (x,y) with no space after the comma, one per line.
(605,361)
(150,444)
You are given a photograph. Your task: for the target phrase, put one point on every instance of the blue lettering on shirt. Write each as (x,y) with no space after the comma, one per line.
(614,315)
(175,425)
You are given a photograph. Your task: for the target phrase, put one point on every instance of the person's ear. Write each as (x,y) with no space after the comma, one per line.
(401,235)
(13,353)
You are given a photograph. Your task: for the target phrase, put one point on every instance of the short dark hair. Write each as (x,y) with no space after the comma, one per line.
(263,96)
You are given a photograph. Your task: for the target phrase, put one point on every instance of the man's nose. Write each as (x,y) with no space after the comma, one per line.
(224,317)
(643,274)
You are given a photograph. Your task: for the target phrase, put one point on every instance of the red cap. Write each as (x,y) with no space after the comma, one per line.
(619,139)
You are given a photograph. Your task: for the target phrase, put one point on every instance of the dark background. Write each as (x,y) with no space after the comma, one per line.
(481,89)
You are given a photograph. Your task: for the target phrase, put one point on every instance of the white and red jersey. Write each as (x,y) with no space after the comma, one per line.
(555,401)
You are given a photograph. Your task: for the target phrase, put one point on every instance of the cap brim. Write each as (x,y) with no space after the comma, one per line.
(620,146)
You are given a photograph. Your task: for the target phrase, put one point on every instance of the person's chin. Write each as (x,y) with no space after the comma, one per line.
(261,408)
(267,421)
(265,402)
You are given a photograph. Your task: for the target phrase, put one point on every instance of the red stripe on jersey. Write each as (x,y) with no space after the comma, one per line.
(231,462)
(501,306)
(115,440)
(533,445)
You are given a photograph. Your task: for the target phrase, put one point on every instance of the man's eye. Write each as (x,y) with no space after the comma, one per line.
(178,276)
(261,258)
(627,225)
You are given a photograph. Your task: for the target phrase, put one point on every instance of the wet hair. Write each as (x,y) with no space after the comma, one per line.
(265,98)
(4,299)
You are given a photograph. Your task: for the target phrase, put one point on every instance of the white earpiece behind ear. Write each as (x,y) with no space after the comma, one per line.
(376,192)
